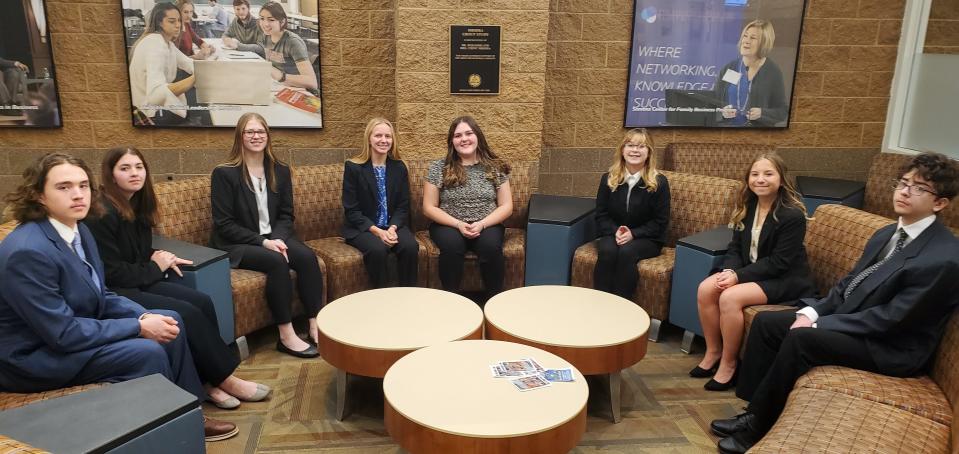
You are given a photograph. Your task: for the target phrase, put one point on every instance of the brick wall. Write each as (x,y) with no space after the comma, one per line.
(942,34)
(512,120)
(358,72)
(847,58)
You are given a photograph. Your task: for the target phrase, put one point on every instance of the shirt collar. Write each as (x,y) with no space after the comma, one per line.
(633,178)
(65,232)
(916,228)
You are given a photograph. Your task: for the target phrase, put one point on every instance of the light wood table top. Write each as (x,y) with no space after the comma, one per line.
(567,316)
(447,390)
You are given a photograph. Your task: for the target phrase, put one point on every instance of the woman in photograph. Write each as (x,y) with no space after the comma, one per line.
(252,200)
(376,206)
(467,196)
(285,49)
(751,86)
(765,264)
(137,271)
(188,37)
(154,62)
(632,213)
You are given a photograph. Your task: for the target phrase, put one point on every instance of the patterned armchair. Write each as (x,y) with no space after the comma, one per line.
(697,203)
(522,183)
(724,160)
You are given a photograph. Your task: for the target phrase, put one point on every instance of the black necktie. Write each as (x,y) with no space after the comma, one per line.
(866,272)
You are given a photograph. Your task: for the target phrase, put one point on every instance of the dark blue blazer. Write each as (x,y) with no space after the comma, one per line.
(360,201)
(52,317)
(902,308)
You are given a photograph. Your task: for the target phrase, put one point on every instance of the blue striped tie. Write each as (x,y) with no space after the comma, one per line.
(78,248)
(866,272)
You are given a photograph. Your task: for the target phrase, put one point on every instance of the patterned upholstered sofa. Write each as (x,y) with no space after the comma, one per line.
(697,203)
(838,409)
(724,160)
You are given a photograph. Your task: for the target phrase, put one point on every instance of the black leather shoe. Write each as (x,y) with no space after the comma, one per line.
(740,442)
(308,352)
(699,372)
(727,427)
(713,385)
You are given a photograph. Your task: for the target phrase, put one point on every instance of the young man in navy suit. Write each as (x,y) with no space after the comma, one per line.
(59,325)
(887,316)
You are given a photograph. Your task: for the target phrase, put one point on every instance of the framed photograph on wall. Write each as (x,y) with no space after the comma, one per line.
(204,63)
(28,89)
(713,63)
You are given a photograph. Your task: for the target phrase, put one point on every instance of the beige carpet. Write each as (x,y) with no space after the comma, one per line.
(664,411)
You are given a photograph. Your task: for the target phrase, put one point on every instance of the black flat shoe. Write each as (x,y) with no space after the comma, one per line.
(740,442)
(308,352)
(727,427)
(713,385)
(699,372)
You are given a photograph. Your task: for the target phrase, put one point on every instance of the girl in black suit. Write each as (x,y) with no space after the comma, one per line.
(376,205)
(765,263)
(632,213)
(252,200)
(137,271)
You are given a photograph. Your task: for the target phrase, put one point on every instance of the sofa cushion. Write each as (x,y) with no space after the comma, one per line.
(822,420)
(655,278)
(835,239)
(724,160)
(14,400)
(347,272)
(317,201)
(514,251)
(918,395)
(698,203)
(185,210)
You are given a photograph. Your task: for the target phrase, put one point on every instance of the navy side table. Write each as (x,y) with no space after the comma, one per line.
(145,415)
(557,226)
(818,191)
(696,256)
(210,274)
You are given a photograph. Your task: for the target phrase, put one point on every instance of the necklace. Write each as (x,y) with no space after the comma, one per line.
(741,106)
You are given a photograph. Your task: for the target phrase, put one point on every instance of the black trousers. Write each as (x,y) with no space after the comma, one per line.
(213,359)
(375,253)
(488,247)
(127,359)
(279,285)
(615,270)
(777,356)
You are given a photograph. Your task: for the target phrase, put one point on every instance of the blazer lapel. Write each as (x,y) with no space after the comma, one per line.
(369,178)
(894,264)
(247,193)
(391,175)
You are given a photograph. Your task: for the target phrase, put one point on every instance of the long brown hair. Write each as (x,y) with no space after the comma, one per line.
(366,151)
(154,22)
(24,201)
(787,195)
(236,154)
(453,172)
(143,205)
(617,171)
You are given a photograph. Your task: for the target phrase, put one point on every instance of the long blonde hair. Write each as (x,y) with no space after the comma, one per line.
(787,196)
(366,151)
(617,171)
(236,154)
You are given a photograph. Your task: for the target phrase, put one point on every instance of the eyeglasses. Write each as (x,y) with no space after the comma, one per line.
(634,146)
(914,189)
(254,132)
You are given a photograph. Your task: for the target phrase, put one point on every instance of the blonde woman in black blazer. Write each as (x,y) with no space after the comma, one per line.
(632,213)
(252,201)
(765,263)
(373,227)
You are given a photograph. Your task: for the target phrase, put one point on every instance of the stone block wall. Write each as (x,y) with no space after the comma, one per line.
(512,120)
(847,58)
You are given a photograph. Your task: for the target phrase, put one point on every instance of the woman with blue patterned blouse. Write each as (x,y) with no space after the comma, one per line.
(376,205)
(467,196)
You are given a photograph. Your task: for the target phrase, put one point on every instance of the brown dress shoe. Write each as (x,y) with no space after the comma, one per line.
(216,430)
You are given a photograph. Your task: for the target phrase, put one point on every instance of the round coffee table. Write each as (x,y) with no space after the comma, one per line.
(444,399)
(366,332)
(598,332)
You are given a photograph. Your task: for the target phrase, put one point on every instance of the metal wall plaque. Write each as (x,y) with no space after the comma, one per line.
(474,59)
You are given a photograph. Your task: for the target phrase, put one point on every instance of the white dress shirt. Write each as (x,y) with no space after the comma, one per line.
(912,232)
(631,180)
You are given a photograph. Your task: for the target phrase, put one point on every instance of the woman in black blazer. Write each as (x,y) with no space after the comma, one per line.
(632,213)
(758,96)
(252,200)
(765,263)
(135,270)
(376,205)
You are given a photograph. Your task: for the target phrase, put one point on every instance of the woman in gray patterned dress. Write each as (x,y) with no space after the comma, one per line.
(467,196)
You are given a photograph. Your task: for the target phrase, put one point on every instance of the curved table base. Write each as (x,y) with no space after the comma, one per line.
(418,439)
